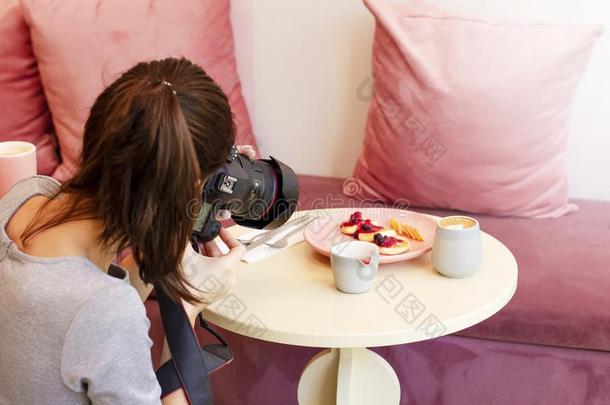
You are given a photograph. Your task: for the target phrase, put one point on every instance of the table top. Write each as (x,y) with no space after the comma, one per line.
(291,298)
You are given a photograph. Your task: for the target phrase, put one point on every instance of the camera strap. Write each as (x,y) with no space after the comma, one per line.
(191,364)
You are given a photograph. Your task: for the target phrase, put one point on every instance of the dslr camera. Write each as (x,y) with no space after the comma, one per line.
(259,193)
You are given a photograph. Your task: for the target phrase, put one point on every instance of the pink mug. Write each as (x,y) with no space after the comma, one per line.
(17,162)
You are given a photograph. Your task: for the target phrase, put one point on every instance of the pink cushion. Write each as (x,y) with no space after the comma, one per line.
(25,116)
(468,114)
(82,46)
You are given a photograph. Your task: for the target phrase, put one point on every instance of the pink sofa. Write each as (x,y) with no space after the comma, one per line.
(549,345)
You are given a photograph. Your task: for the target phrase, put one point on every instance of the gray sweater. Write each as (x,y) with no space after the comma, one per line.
(69,332)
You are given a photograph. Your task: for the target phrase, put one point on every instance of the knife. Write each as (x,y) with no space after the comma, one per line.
(271,234)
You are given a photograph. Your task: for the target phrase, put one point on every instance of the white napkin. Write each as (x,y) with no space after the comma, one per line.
(263,251)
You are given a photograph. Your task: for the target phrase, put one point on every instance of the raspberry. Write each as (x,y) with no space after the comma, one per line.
(390,241)
(355,218)
(384,240)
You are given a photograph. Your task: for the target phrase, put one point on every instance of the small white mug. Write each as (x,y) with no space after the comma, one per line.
(457,251)
(17,162)
(354,265)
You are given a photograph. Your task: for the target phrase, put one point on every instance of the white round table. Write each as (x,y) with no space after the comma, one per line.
(291,298)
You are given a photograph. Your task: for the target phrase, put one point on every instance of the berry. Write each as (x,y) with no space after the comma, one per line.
(390,241)
(385,241)
(354,219)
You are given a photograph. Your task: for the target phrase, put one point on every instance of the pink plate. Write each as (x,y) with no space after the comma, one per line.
(322,233)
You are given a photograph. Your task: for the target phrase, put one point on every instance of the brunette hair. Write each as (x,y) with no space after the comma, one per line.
(151,139)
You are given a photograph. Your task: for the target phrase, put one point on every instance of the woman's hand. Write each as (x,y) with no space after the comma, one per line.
(246,150)
(211,271)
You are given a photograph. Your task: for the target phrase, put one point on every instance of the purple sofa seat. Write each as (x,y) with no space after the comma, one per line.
(452,370)
(563,295)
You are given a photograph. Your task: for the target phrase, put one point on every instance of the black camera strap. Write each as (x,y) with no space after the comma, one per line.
(191,364)
(187,359)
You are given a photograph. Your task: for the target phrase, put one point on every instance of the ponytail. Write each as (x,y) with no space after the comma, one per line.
(150,140)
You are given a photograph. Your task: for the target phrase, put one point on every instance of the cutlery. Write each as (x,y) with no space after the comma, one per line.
(247,241)
(283,242)
(264,237)
(282,228)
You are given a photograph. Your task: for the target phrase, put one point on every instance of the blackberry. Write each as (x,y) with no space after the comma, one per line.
(379,238)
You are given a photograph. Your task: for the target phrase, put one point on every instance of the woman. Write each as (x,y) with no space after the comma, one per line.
(71,330)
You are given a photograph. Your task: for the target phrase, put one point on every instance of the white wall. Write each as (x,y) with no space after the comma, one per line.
(302,61)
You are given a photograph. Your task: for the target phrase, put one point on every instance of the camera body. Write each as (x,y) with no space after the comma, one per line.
(259,193)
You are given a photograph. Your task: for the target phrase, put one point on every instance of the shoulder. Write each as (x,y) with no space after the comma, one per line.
(113,308)
(44,185)
(26,188)
(107,347)
(106,351)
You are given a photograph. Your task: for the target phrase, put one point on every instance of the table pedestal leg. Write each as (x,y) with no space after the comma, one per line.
(350,376)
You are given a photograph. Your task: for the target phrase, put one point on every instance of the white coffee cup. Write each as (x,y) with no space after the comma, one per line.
(354,265)
(457,251)
(17,162)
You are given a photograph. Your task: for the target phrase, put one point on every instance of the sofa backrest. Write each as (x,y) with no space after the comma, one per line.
(305,69)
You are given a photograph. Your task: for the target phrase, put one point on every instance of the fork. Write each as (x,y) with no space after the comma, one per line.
(247,242)
(283,242)
(254,238)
